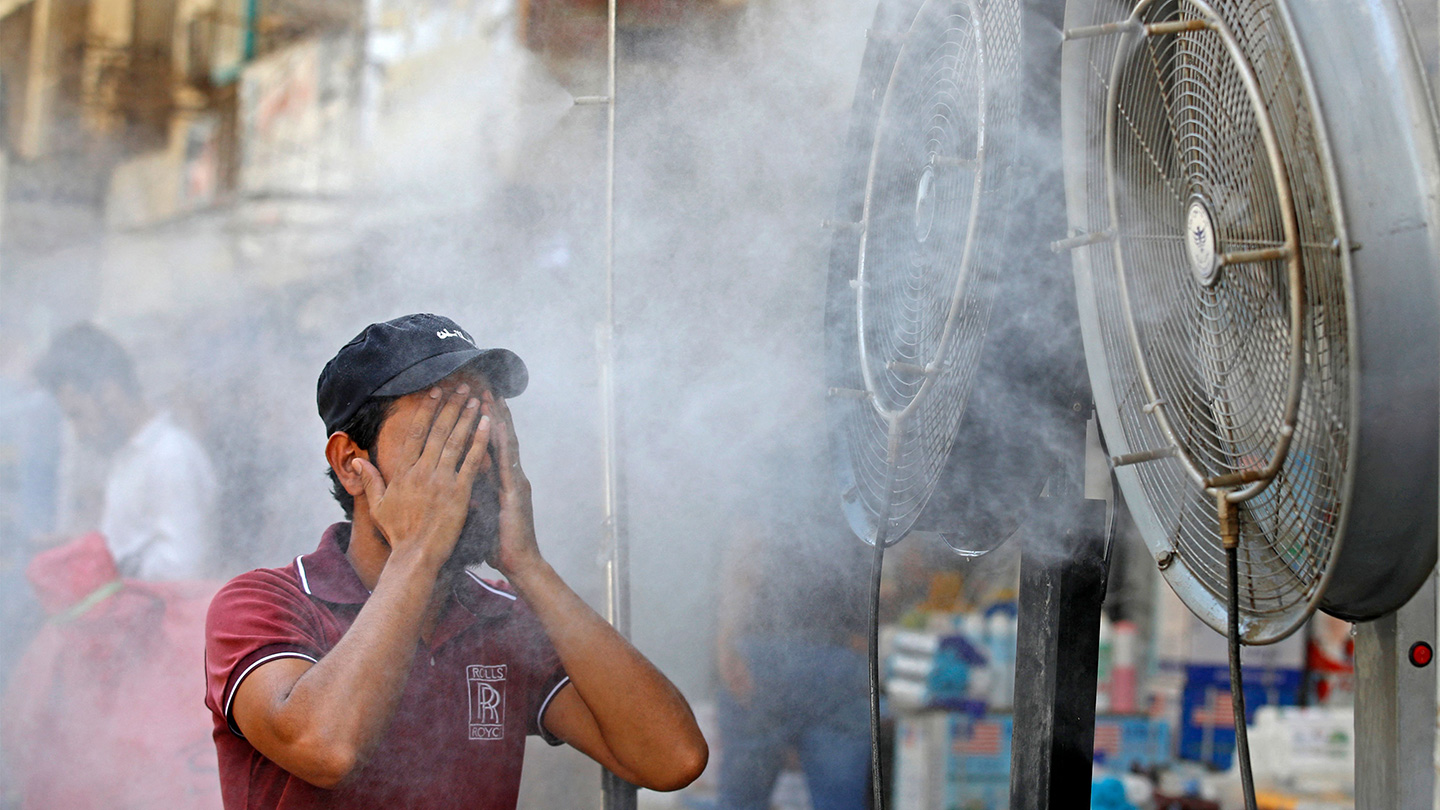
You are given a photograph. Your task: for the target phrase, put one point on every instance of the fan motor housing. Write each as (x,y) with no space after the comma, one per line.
(1387,167)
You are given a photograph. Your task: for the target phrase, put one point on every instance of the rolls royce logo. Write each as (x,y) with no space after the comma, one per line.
(487,701)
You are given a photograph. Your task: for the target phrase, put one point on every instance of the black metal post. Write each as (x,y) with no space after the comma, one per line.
(1063,562)
(1062,585)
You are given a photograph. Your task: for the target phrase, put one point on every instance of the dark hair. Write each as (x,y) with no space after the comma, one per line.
(86,357)
(364,429)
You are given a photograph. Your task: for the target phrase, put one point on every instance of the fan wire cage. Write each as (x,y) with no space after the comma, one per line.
(1221,275)
(936,190)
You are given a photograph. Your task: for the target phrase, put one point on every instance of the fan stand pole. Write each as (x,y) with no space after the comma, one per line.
(1062,586)
(1395,708)
(1056,663)
(1062,569)
(616,793)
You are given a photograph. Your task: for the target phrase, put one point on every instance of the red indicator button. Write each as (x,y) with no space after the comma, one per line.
(1421,654)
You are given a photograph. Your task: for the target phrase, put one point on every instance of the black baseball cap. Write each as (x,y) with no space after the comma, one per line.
(404,355)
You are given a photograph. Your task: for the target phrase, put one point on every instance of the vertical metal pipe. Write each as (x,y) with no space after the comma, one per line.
(617,594)
(617,573)
(616,793)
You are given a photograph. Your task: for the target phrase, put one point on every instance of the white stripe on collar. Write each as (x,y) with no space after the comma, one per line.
(304,581)
(487,586)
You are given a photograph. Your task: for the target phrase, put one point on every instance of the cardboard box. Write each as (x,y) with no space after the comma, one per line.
(940,756)
(918,776)
(980,794)
(1125,740)
(961,760)
(1207,726)
(979,747)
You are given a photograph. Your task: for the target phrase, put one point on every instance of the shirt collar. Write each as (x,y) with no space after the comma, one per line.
(155,427)
(326,574)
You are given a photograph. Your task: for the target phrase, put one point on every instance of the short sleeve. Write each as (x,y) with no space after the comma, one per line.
(545,675)
(256,618)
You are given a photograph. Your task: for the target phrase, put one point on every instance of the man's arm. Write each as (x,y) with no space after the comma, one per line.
(319,721)
(618,708)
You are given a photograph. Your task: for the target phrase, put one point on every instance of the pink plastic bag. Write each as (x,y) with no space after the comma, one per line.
(106,706)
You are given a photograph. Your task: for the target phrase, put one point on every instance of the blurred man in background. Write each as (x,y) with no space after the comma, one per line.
(160,488)
(379,671)
(101,709)
(791,646)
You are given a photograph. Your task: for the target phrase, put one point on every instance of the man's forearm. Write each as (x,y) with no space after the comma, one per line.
(340,707)
(644,720)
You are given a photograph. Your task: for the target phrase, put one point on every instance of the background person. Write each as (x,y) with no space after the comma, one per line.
(160,487)
(101,708)
(791,646)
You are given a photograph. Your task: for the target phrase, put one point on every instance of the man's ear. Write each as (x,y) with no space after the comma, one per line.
(340,451)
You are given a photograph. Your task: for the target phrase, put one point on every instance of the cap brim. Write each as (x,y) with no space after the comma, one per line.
(503,368)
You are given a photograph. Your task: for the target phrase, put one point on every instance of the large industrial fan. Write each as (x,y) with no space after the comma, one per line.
(923,196)
(925,199)
(953,356)
(1251,192)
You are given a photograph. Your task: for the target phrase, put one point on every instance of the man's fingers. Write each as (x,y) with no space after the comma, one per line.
(507,423)
(502,409)
(419,428)
(444,424)
(507,450)
(464,427)
(479,449)
(370,479)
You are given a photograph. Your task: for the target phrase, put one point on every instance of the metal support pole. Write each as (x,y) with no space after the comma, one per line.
(1062,585)
(1064,562)
(617,793)
(1395,708)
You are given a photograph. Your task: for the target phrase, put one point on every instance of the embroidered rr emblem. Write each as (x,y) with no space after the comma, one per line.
(487,701)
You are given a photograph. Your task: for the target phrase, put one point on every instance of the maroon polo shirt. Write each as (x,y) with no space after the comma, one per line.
(458,736)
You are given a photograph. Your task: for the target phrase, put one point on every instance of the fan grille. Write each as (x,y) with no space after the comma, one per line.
(1187,155)
(937,188)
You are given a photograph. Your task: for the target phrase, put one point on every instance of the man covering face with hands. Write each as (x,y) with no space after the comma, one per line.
(380,670)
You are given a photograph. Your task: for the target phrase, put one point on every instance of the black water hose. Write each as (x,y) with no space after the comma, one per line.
(877,778)
(1237,690)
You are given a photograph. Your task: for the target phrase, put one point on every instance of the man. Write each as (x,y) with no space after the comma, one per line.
(379,670)
(160,488)
(791,658)
(126,607)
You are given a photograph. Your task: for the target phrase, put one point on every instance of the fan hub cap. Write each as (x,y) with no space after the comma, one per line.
(925,204)
(1200,244)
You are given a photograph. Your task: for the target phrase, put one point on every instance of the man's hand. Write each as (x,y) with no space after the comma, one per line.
(515,548)
(617,708)
(421,509)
